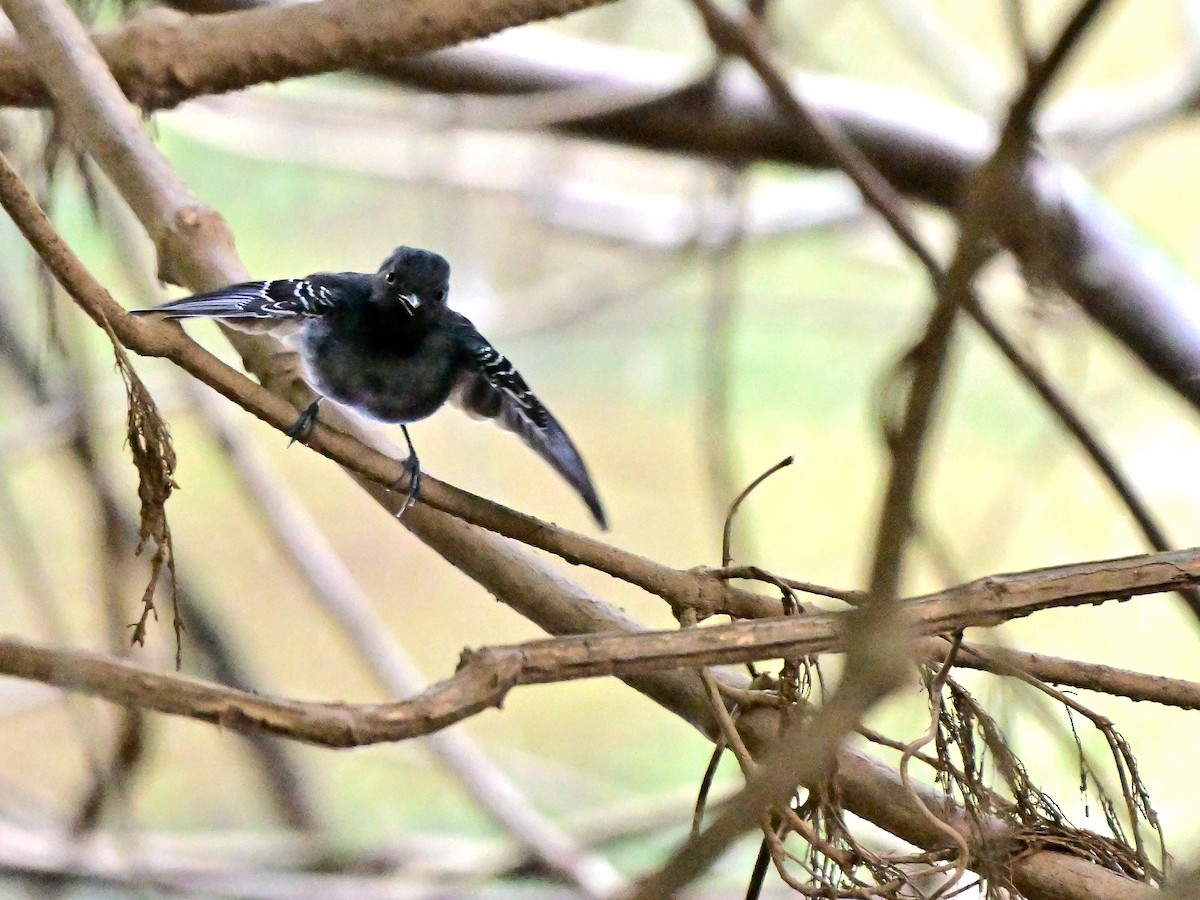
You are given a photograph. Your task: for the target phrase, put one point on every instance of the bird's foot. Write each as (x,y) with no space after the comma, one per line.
(410,482)
(304,425)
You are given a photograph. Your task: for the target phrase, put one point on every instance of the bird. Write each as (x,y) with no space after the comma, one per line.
(389,347)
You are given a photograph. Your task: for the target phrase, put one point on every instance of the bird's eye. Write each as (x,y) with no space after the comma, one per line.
(441,295)
(390,277)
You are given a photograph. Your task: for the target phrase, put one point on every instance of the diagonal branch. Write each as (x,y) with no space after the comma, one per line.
(331,581)
(680,588)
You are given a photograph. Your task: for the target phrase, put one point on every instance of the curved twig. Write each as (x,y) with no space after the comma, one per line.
(727,531)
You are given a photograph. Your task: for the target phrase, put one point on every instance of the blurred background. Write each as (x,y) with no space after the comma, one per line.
(691,322)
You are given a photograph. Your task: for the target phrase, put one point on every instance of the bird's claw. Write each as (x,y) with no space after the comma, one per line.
(304,425)
(412,475)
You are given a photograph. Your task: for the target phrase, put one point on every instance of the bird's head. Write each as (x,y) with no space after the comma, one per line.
(417,280)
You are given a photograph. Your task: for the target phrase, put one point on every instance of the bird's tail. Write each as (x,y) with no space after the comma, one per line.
(236,301)
(193,307)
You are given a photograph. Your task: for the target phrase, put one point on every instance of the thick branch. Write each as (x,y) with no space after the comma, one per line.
(487,675)
(162,58)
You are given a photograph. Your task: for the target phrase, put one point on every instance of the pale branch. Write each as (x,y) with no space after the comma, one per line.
(64,57)
(485,676)
(925,149)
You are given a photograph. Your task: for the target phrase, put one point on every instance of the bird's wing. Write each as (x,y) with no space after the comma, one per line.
(490,387)
(279,301)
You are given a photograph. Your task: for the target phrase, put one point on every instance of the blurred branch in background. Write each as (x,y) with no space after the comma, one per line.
(1064,231)
(925,150)
(974,806)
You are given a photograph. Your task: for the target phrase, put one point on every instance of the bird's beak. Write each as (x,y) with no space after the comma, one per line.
(411,303)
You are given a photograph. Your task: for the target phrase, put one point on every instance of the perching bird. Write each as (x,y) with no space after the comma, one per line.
(387,346)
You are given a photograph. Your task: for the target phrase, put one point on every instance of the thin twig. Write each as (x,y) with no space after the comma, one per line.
(727,531)
(935,686)
(806,587)
(732,37)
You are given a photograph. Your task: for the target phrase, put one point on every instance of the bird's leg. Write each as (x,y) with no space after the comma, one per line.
(304,425)
(412,467)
